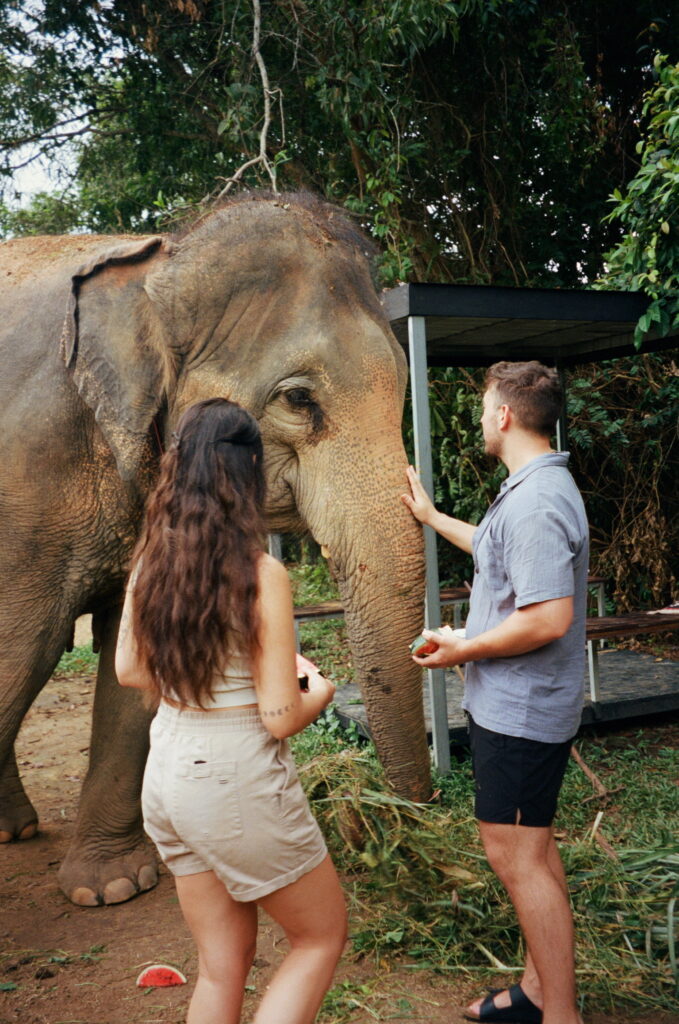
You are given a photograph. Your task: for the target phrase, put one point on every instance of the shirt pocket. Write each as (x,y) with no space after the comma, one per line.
(491,565)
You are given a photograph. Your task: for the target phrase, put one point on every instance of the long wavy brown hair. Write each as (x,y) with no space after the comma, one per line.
(195,589)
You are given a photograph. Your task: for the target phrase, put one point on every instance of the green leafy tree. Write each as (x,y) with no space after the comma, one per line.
(623,418)
(478,140)
(647,257)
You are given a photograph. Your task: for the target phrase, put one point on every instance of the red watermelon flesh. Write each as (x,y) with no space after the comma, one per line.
(160,976)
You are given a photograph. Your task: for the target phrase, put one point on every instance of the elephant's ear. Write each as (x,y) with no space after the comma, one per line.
(111,347)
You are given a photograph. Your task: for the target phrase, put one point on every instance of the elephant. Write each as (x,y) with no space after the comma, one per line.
(265,299)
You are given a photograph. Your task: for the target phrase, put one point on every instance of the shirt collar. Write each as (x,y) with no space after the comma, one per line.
(548,459)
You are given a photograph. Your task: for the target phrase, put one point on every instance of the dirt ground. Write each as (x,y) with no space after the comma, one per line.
(61,964)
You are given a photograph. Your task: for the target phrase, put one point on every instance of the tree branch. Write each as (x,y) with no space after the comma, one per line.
(56,134)
(268,93)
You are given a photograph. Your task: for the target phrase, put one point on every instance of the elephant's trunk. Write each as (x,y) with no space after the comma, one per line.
(376,550)
(382,617)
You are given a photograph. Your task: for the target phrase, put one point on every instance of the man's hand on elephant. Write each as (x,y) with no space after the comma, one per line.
(450,649)
(420,504)
(418,501)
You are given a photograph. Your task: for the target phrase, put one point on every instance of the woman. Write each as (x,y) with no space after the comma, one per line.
(207,631)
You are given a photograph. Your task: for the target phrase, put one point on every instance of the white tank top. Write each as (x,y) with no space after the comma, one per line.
(231,687)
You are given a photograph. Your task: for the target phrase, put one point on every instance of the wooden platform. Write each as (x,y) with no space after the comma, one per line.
(632,685)
(633,624)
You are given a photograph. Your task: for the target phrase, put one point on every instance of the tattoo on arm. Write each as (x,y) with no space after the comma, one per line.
(279,711)
(125,625)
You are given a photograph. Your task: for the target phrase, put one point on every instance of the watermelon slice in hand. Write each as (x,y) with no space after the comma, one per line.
(160,976)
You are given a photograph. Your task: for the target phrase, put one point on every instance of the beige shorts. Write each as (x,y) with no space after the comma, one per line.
(221,793)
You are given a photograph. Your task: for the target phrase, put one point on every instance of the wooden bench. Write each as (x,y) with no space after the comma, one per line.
(457,596)
(621,627)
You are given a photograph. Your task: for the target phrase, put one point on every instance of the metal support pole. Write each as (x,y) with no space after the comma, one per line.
(276,546)
(593,666)
(417,343)
(562,422)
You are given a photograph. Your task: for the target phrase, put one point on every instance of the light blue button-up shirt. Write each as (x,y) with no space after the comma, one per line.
(532,545)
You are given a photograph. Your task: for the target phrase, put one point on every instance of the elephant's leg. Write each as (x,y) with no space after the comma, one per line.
(18,819)
(109,859)
(30,645)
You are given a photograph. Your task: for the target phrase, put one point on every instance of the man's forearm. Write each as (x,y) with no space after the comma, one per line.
(456,531)
(524,630)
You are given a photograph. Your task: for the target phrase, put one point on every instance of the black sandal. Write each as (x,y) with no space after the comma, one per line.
(521,1011)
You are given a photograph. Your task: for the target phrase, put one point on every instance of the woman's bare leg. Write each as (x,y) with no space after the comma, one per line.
(312,913)
(225,933)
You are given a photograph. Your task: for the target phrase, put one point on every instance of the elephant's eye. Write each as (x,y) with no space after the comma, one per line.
(299,398)
(302,401)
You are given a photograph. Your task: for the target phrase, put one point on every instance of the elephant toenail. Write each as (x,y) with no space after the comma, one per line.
(83,897)
(147,878)
(120,890)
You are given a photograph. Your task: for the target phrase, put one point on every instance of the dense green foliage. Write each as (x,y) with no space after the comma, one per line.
(624,436)
(647,258)
(478,140)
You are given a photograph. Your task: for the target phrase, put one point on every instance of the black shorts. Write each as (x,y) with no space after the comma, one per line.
(517,781)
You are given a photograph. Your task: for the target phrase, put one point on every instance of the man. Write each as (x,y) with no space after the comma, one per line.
(524,652)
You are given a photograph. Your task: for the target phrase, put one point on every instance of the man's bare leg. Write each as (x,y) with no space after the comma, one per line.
(530,982)
(527,862)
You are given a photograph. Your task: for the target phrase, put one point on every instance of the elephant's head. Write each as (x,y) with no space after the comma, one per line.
(269,302)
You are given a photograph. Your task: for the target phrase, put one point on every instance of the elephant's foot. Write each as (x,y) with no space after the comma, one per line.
(18,818)
(19,822)
(94,883)
(27,832)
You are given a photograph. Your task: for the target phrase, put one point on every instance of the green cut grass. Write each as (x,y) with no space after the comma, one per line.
(421,890)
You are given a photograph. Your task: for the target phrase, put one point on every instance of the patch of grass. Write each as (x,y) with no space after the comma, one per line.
(79,661)
(324,738)
(312,583)
(420,887)
(325,641)
(326,644)
(645,776)
(345,1000)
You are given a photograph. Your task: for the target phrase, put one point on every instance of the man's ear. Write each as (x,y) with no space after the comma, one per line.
(504,416)
(109,348)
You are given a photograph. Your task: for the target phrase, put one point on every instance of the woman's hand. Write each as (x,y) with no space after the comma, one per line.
(128,670)
(317,682)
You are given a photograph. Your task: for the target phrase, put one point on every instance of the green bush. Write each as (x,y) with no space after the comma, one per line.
(647,258)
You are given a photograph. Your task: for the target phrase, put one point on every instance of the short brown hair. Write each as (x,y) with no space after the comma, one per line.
(532,391)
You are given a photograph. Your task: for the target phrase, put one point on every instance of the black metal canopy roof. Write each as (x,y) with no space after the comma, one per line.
(476,325)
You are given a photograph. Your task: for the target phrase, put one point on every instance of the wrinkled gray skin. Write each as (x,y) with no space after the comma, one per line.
(270,304)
